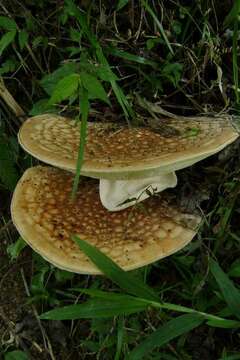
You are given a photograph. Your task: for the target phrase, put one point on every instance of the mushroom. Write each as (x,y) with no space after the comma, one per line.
(45,216)
(128,161)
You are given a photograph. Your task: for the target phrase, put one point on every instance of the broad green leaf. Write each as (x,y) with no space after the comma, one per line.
(84,106)
(7,23)
(16,248)
(16,355)
(123,279)
(230,293)
(63,275)
(22,39)
(95,309)
(233,14)
(42,106)
(6,40)
(121,4)
(235,269)
(94,87)
(173,72)
(65,88)
(166,333)
(8,66)
(50,81)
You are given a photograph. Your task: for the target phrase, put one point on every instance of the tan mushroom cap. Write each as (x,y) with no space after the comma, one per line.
(117,152)
(46,218)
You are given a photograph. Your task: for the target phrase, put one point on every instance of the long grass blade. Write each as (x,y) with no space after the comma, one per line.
(166,333)
(159,25)
(123,279)
(96,308)
(230,293)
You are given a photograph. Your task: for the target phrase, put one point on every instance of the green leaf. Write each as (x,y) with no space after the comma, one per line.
(166,333)
(173,72)
(50,81)
(65,88)
(94,87)
(7,23)
(16,355)
(6,40)
(230,293)
(63,275)
(235,269)
(8,66)
(123,279)
(121,4)
(22,39)
(42,106)
(95,309)
(233,14)
(16,248)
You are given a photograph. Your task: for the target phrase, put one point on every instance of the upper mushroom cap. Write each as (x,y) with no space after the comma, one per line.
(45,216)
(117,152)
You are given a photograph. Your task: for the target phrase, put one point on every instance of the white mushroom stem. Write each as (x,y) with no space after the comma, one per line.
(117,195)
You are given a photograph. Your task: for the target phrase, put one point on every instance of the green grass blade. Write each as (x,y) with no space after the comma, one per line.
(159,25)
(96,308)
(120,338)
(166,333)
(84,106)
(224,324)
(230,293)
(235,60)
(132,57)
(123,279)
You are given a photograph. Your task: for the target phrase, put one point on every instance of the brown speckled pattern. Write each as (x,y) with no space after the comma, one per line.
(45,216)
(109,143)
(118,152)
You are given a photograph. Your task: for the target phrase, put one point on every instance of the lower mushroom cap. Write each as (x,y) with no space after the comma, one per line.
(45,216)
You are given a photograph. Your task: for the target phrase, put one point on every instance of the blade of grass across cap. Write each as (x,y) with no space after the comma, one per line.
(230,293)
(95,308)
(166,333)
(159,25)
(81,18)
(123,279)
(84,107)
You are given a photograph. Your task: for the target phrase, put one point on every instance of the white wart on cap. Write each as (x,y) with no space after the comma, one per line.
(120,153)
(45,217)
